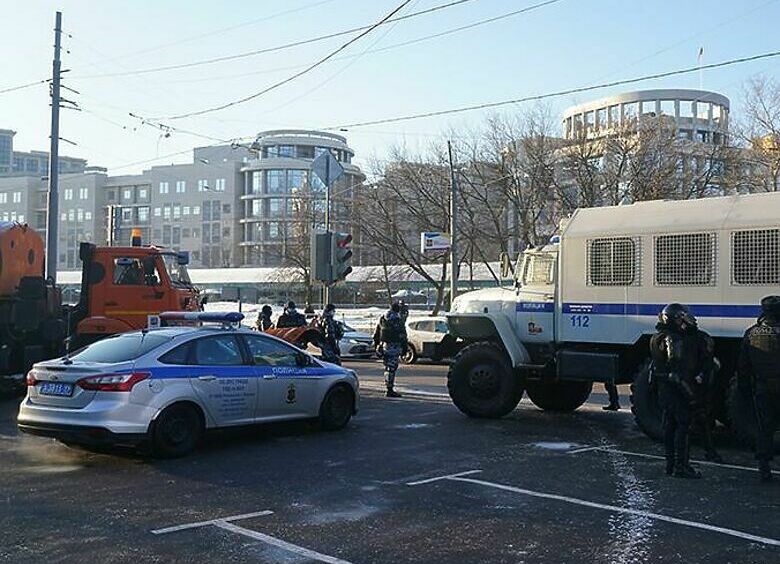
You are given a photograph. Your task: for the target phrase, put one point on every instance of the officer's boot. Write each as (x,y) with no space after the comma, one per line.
(764,470)
(389,383)
(682,466)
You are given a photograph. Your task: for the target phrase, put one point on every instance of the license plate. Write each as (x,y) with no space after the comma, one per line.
(55,389)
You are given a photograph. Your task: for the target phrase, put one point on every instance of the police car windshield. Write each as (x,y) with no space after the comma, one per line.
(176,272)
(120,348)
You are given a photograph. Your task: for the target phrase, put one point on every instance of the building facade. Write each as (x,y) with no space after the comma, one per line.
(281,200)
(31,163)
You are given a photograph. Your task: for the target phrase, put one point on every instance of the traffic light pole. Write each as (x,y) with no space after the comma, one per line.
(326,286)
(54,157)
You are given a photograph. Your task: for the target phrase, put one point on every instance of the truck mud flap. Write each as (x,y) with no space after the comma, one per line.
(590,366)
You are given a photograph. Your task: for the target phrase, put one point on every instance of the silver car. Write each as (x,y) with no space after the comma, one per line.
(165,387)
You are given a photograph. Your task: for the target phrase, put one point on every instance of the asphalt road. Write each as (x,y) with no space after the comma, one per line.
(409,480)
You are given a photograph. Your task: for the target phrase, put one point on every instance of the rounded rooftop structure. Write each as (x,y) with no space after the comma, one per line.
(698,115)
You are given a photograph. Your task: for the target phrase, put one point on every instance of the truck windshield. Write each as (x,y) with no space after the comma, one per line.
(176,272)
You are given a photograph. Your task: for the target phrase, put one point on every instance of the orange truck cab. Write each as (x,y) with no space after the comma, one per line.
(122,286)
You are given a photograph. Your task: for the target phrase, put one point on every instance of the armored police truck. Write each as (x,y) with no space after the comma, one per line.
(584,306)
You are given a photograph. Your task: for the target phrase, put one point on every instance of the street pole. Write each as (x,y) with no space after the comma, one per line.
(326,286)
(54,158)
(453,228)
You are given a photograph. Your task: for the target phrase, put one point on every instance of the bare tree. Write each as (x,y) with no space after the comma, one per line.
(760,134)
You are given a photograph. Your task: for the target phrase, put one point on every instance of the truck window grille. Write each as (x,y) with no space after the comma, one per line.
(686,259)
(755,257)
(539,270)
(614,261)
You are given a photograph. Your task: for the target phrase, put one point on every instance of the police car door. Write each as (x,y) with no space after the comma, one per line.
(223,380)
(287,387)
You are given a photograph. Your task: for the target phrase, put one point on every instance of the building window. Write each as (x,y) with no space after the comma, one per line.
(177,211)
(755,257)
(202,185)
(181,186)
(166,212)
(111,195)
(4,198)
(69,194)
(275,182)
(127,214)
(274,206)
(17,197)
(83,193)
(195,210)
(157,212)
(127,195)
(273,230)
(225,208)
(257,207)
(80,214)
(71,215)
(257,182)
(685,259)
(296,179)
(142,193)
(185,210)
(143,214)
(185,232)
(88,215)
(63,216)
(20,219)
(286,151)
(163,187)
(219,185)
(613,262)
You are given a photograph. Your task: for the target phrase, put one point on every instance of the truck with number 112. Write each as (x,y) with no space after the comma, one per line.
(583,308)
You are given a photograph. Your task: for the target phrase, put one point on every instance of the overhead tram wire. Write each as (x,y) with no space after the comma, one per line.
(23,86)
(556,94)
(284,46)
(380,49)
(289,79)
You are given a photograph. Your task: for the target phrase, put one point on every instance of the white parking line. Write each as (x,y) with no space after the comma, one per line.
(210,522)
(311,554)
(460,477)
(608,448)
(225,523)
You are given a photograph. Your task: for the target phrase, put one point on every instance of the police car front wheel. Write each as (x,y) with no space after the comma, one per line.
(336,409)
(176,431)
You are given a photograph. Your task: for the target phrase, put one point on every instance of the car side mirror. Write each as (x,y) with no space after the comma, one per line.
(506,265)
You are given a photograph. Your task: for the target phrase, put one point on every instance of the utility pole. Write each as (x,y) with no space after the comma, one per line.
(54,157)
(326,286)
(453,228)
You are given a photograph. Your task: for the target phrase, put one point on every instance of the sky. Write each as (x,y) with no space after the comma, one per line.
(566,44)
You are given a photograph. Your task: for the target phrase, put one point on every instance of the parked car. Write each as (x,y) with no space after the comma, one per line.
(165,387)
(354,343)
(429,337)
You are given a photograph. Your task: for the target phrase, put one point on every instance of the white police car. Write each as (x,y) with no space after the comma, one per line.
(164,387)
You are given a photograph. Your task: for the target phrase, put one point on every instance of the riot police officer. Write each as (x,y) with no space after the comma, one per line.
(390,339)
(331,333)
(264,319)
(759,370)
(681,355)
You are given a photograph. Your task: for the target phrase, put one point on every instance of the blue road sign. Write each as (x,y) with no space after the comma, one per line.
(327,168)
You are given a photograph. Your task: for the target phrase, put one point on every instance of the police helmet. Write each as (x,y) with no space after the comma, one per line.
(329,307)
(291,305)
(267,310)
(396,307)
(770,305)
(677,315)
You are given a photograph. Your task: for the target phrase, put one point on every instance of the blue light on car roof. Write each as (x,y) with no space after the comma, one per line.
(203,316)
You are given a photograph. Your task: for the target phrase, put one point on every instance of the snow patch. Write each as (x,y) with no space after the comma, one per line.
(560,446)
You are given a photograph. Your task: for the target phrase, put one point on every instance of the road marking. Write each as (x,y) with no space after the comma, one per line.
(438,478)
(658,457)
(305,552)
(460,477)
(225,523)
(210,522)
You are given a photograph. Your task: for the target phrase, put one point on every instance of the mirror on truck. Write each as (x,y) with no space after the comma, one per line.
(507,269)
(183,258)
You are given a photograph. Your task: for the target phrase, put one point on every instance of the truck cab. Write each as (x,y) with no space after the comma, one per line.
(122,286)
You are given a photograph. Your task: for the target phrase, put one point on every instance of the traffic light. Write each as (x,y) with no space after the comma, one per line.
(320,256)
(340,256)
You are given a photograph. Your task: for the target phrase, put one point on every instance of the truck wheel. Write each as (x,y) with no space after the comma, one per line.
(563,396)
(410,356)
(645,405)
(176,431)
(742,416)
(481,381)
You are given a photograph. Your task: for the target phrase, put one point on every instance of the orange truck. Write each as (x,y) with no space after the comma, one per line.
(120,287)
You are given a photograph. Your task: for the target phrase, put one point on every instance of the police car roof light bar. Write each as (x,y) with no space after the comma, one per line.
(225,318)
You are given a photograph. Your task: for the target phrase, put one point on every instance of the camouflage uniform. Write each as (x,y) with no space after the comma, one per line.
(331,335)
(390,334)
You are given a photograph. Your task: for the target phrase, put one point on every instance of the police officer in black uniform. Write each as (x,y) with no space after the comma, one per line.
(681,355)
(759,372)
(331,333)
(264,319)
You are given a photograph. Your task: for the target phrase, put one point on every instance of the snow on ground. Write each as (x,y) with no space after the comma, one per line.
(363,319)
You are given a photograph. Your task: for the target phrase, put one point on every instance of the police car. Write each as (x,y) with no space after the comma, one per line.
(164,387)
